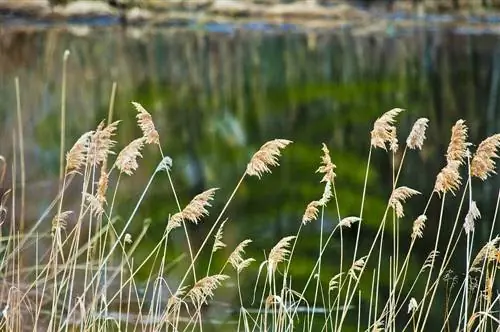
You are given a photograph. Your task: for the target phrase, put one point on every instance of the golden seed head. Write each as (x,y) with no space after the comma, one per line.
(398,197)
(145,122)
(483,163)
(327,167)
(457,148)
(278,253)
(126,161)
(101,143)
(311,212)
(204,288)
(266,157)
(449,178)
(383,130)
(77,155)
(236,257)
(418,227)
(417,135)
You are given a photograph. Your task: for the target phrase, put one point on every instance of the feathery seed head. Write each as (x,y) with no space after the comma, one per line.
(102,186)
(334,281)
(95,204)
(60,220)
(126,161)
(418,227)
(101,143)
(348,221)
(311,212)
(417,135)
(327,167)
(236,257)
(483,163)
(449,178)
(412,305)
(429,261)
(218,244)
(398,197)
(472,215)
(327,194)
(357,267)
(383,130)
(488,252)
(393,143)
(204,288)
(145,122)
(266,157)
(76,156)
(278,253)
(196,209)
(457,148)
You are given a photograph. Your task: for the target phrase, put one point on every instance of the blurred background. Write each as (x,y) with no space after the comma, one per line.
(219,85)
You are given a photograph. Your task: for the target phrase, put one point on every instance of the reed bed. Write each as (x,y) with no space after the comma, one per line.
(91,284)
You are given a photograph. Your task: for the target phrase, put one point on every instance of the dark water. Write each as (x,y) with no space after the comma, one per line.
(216,95)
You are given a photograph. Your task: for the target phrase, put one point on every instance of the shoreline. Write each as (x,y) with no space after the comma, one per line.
(297,15)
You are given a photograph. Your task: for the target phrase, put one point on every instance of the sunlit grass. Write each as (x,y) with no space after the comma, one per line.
(87,277)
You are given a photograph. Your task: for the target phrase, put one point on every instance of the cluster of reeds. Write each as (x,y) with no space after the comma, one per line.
(79,283)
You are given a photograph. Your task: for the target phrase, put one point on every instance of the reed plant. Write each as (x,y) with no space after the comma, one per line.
(87,278)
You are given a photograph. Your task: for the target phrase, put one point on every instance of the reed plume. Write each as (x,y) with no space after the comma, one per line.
(417,135)
(76,157)
(334,282)
(278,253)
(457,148)
(145,122)
(196,209)
(218,244)
(327,194)
(266,157)
(95,204)
(126,161)
(102,186)
(348,221)
(418,227)
(488,252)
(398,197)
(236,257)
(357,267)
(483,163)
(101,143)
(449,178)
(204,288)
(311,212)
(471,216)
(383,130)
(412,305)
(327,167)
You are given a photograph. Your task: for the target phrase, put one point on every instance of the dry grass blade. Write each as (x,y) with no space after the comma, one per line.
(218,244)
(196,209)
(398,197)
(126,161)
(236,257)
(448,179)
(145,122)
(418,227)
(278,253)
(204,288)
(457,148)
(77,155)
(266,157)
(311,212)
(383,130)
(101,143)
(483,163)
(471,216)
(417,135)
(327,167)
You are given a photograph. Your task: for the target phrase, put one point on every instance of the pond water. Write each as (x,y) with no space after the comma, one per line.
(216,94)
